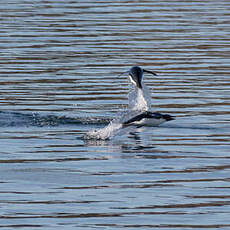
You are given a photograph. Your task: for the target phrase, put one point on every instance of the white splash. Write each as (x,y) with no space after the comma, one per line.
(140,99)
(114,128)
(104,133)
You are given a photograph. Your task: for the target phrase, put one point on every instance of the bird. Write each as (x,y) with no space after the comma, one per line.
(142,115)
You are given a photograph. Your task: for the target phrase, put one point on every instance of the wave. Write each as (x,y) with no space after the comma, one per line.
(19,119)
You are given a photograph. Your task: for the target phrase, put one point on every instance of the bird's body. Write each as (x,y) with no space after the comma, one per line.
(138,114)
(144,116)
(148,118)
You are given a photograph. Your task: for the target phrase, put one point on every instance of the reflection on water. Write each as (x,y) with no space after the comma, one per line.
(61,62)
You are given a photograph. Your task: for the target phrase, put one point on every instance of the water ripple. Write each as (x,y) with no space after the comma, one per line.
(61,64)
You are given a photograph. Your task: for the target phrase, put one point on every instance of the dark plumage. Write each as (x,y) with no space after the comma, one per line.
(149,115)
(136,74)
(144,117)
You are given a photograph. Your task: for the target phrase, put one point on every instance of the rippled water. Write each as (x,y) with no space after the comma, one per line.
(59,78)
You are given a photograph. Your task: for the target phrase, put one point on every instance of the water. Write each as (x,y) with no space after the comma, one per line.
(59,78)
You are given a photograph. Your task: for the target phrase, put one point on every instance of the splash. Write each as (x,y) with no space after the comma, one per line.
(114,128)
(104,133)
(139,99)
(19,119)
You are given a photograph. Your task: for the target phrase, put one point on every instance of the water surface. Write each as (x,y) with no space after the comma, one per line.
(61,62)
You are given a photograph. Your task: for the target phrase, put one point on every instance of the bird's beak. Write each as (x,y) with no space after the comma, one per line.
(147,71)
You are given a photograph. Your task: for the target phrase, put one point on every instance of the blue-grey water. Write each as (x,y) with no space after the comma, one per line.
(61,62)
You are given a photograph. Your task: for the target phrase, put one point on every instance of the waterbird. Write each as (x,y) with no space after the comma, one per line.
(143,115)
(139,115)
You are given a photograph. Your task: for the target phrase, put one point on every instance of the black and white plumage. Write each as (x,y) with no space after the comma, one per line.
(136,75)
(138,115)
(148,118)
(143,117)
